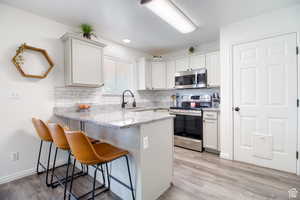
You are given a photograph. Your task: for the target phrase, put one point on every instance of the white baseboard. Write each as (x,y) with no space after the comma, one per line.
(24,173)
(225,156)
(17,175)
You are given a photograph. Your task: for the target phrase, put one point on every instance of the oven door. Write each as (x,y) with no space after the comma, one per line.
(189,126)
(185,81)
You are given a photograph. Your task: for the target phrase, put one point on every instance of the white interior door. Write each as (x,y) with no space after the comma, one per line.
(265,99)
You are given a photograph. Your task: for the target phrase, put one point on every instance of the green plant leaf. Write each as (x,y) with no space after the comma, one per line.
(86,28)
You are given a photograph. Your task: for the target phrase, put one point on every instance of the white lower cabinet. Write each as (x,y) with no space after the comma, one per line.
(210,130)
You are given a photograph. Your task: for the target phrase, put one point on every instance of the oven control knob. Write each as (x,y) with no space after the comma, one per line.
(237,109)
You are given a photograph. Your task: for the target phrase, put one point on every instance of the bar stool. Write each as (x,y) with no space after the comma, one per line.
(59,139)
(96,155)
(45,136)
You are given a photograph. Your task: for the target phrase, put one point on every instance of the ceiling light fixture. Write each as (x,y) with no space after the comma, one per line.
(126,41)
(170,13)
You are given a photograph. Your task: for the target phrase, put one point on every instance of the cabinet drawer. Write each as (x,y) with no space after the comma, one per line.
(188,143)
(210,115)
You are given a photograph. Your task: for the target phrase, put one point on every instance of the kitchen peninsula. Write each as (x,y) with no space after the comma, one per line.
(146,133)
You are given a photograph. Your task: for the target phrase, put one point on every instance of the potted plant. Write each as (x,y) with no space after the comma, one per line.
(87,31)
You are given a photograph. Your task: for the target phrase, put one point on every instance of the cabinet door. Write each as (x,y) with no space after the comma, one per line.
(210,133)
(197,61)
(144,74)
(171,74)
(158,75)
(109,69)
(182,64)
(86,64)
(213,69)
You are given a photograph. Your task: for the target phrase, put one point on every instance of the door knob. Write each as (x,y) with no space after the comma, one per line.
(237,109)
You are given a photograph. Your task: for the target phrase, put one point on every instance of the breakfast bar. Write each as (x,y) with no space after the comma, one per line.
(146,133)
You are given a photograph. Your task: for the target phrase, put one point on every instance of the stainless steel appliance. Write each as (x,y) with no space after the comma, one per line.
(188,124)
(191,79)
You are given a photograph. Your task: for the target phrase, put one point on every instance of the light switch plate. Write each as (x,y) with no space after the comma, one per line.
(14,95)
(14,156)
(146,142)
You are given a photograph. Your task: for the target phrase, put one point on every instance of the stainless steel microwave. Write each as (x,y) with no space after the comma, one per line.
(191,79)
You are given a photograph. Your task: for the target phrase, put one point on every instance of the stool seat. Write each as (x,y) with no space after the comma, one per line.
(92,140)
(108,152)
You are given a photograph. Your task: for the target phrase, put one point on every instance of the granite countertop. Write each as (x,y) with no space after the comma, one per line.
(116,118)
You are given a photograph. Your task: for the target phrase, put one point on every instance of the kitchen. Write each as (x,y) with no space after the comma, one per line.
(181,114)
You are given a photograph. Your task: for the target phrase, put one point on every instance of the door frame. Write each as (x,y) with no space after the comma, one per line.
(231,124)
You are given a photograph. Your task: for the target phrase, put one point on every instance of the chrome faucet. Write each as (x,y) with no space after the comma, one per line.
(123,99)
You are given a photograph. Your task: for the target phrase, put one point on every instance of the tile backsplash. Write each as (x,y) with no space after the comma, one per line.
(69,96)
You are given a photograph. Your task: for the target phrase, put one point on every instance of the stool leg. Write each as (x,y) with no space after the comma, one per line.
(108,176)
(82,168)
(103,177)
(72,178)
(87,169)
(53,167)
(131,187)
(39,159)
(94,182)
(48,163)
(67,174)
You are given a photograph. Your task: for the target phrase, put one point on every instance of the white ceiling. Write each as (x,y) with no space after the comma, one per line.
(120,19)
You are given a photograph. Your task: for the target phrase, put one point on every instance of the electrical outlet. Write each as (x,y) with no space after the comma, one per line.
(146,142)
(14,156)
(14,95)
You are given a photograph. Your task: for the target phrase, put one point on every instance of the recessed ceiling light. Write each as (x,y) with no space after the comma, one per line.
(170,13)
(126,41)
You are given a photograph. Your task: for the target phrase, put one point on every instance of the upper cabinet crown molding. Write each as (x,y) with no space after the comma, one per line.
(83,61)
(67,36)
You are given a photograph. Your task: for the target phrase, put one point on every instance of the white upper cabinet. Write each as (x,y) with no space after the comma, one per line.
(213,69)
(110,68)
(182,64)
(158,75)
(197,61)
(144,74)
(117,75)
(83,61)
(171,69)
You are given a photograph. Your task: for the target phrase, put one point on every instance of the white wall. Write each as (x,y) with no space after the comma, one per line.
(266,25)
(36,97)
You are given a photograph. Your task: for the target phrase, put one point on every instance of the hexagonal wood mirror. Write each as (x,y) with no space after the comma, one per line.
(38,63)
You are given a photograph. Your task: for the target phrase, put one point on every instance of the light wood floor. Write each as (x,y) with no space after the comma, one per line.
(197,176)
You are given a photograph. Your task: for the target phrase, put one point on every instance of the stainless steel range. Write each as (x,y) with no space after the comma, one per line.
(188,124)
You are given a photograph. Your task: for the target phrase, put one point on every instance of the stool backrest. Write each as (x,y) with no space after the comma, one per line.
(82,148)
(58,135)
(41,129)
